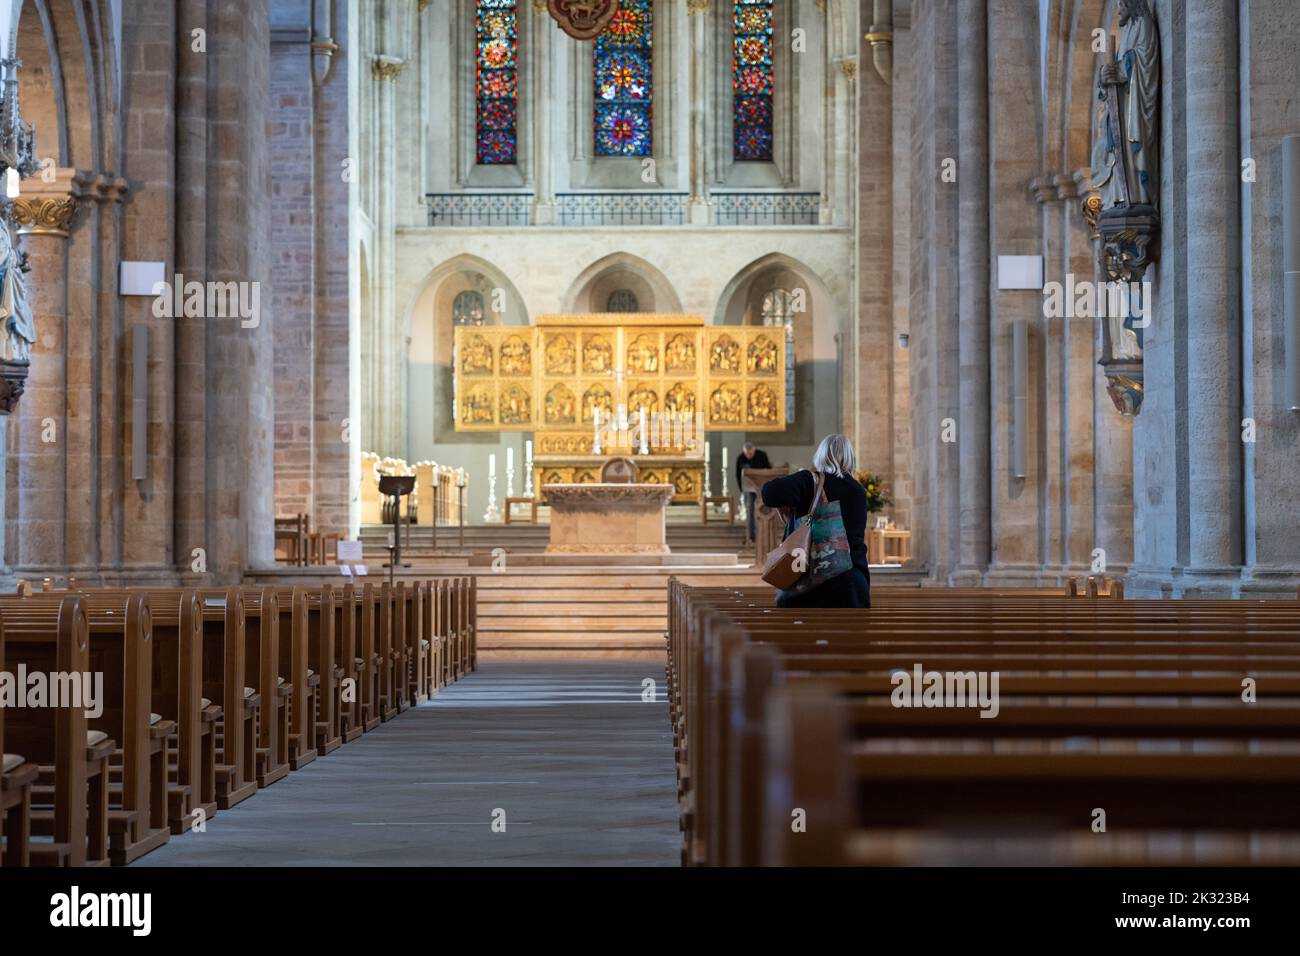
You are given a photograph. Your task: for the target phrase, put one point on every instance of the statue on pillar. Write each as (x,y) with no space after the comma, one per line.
(15,310)
(1126,178)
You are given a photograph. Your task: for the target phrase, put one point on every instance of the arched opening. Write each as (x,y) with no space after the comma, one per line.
(781,292)
(621,283)
(464,291)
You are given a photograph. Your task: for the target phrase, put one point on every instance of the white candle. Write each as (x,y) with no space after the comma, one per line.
(510,459)
(492,465)
(706,452)
(528,450)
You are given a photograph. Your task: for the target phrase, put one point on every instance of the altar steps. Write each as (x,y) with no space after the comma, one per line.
(617,611)
(683,538)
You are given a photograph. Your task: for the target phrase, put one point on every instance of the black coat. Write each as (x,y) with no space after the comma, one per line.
(795,492)
(759,460)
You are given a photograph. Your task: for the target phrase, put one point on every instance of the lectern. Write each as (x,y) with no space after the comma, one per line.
(768,522)
(396,487)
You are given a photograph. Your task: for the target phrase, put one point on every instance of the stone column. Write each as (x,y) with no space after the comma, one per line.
(1213,409)
(44,220)
(973,302)
(543,33)
(699,211)
(1055,479)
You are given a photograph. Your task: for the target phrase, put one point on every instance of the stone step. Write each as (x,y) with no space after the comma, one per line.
(602,623)
(532,606)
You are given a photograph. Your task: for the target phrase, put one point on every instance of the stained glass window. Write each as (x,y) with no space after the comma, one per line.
(752,80)
(778,310)
(496,81)
(467,308)
(624,81)
(622,300)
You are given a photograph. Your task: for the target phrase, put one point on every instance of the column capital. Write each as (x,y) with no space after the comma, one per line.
(47,204)
(697,6)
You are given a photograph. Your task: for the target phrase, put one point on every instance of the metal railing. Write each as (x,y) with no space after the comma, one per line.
(623,209)
(479,209)
(767,209)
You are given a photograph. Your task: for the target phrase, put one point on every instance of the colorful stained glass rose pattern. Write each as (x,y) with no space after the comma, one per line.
(497,81)
(624,82)
(752,80)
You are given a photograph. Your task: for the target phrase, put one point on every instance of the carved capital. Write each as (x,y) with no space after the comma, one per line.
(386,68)
(849,67)
(13,381)
(697,6)
(37,215)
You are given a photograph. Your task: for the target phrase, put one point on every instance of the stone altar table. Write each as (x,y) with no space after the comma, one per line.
(608,518)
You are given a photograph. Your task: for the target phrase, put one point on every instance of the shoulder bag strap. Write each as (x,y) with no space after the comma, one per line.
(817,493)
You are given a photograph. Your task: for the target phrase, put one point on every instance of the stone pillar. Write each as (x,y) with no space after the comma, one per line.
(1015,158)
(874,432)
(543,33)
(1213,408)
(1055,479)
(973,303)
(699,211)
(44,220)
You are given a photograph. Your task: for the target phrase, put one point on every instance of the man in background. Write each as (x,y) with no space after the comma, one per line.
(750,457)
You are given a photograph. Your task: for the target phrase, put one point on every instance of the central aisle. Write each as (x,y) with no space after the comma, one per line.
(581,765)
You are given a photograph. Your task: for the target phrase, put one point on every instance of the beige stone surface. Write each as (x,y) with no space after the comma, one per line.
(608,518)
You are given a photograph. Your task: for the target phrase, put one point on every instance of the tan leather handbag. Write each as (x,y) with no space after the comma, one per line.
(779,566)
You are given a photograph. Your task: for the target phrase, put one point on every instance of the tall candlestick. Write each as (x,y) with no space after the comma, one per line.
(595,438)
(510,472)
(492,513)
(645,432)
(528,468)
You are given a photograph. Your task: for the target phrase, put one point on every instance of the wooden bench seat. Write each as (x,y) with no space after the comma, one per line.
(70,794)
(189,676)
(1116,704)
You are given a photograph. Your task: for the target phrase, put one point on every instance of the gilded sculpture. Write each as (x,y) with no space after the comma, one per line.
(560,405)
(516,356)
(476,356)
(679,354)
(561,355)
(724,356)
(516,406)
(725,405)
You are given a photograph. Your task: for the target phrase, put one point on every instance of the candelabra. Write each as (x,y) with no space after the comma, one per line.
(493,513)
(528,469)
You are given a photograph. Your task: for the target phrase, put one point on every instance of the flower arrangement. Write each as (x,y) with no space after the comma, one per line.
(877,494)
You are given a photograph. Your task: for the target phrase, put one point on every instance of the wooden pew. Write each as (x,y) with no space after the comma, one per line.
(17,777)
(225,679)
(295,674)
(176,695)
(121,650)
(348,649)
(73,759)
(371,657)
(324,659)
(262,659)
(725,677)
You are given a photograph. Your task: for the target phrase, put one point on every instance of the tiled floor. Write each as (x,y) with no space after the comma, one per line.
(566,753)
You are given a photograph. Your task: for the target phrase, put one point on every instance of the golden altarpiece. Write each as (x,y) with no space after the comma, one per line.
(567,374)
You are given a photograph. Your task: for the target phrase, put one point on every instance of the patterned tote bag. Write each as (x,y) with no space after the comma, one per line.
(828,552)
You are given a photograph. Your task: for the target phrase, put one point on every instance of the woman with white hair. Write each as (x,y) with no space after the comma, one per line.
(794,496)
